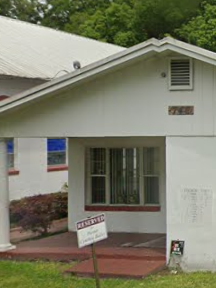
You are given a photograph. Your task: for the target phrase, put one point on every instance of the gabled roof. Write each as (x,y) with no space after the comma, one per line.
(143,50)
(33,51)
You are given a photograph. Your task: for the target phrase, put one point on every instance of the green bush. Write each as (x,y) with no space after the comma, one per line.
(36,213)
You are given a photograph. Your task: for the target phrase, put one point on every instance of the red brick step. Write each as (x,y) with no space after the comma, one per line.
(118,268)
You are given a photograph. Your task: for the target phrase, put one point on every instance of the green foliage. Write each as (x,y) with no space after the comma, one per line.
(113,25)
(122,22)
(36,213)
(155,18)
(67,15)
(25,10)
(201,30)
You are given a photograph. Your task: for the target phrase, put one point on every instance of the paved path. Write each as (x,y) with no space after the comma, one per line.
(127,255)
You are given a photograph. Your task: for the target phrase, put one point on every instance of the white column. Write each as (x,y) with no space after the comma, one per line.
(4,200)
(76,182)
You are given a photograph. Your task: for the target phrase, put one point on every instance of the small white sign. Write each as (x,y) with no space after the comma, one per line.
(91,230)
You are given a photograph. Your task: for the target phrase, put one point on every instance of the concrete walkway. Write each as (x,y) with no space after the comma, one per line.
(127,255)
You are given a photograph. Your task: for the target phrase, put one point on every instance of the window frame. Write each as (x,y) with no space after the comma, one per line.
(146,206)
(13,168)
(180,87)
(57,167)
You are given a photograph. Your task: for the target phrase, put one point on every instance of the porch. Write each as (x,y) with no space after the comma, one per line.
(126,255)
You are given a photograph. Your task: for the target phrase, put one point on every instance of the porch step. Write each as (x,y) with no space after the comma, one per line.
(118,268)
(68,254)
(131,254)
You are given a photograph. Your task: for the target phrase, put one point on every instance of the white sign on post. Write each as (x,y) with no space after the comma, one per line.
(91,230)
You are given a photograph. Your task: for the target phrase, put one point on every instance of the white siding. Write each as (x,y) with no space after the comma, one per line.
(191,164)
(33,178)
(30,154)
(132,101)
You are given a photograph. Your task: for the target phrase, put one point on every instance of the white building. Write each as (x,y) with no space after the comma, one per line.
(142,143)
(31,55)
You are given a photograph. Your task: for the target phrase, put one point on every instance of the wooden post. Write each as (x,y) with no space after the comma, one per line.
(94,258)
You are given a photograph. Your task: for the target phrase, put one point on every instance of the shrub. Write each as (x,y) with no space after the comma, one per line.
(36,213)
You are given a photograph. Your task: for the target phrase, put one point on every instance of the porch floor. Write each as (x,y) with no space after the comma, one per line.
(127,255)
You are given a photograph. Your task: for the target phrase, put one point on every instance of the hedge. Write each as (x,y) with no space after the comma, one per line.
(36,213)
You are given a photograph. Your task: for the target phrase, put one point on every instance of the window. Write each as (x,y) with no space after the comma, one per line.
(180,76)
(56,152)
(98,175)
(151,175)
(124,179)
(10,153)
(128,176)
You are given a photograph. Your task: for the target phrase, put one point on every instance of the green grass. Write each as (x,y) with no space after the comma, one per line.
(47,275)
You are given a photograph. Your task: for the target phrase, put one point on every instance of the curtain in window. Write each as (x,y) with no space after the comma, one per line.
(124,180)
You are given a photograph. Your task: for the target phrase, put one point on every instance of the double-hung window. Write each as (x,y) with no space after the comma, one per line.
(151,175)
(10,153)
(98,175)
(56,151)
(123,176)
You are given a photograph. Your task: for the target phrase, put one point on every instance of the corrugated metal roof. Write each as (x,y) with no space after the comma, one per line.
(34,51)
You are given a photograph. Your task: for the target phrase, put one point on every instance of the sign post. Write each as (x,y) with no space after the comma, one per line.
(90,231)
(94,258)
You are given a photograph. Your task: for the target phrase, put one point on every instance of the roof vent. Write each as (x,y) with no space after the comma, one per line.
(180,74)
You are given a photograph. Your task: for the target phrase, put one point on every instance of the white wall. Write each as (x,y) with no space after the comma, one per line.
(132,101)
(30,153)
(33,178)
(142,222)
(191,199)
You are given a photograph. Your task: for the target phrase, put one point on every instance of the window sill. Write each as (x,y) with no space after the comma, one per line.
(12,172)
(153,208)
(57,168)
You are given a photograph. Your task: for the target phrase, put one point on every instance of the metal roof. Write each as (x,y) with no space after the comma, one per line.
(33,51)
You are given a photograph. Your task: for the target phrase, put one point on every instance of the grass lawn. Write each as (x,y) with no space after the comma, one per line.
(47,275)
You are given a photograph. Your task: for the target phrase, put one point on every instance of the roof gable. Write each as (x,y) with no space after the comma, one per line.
(143,50)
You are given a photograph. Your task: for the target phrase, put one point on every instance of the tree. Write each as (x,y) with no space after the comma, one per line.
(69,14)
(155,18)
(201,30)
(25,10)
(122,22)
(5,7)
(113,25)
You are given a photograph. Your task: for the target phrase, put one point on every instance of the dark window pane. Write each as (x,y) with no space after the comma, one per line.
(56,151)
(98,161)
(56,158)
(10,161)
(124,180)
(151,186)
(151,161)
(98,189)
(10,151)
